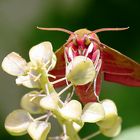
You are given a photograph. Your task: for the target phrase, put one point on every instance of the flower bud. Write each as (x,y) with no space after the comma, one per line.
(17,122)
(50,102)
(114,130)
(110,114)
(80,71)
(41,53)
(72,110)
(38,130)
(93,112)
(14,64)
(32,106)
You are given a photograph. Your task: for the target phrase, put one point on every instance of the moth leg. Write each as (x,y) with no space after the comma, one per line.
(90,49)
(95,80)
(96,57)
(66,64)
(97,63)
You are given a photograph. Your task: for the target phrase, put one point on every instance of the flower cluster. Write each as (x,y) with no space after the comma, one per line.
(46,101)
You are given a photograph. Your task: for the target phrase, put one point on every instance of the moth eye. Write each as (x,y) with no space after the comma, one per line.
(87,41)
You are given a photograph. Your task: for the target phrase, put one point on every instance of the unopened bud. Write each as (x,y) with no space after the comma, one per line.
(72,110)
(93,112)
(114,130)
(50,102)
(31,103)
(38,130)
(110,114)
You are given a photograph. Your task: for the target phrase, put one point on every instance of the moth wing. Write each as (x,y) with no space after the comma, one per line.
(59,69)
(120,68)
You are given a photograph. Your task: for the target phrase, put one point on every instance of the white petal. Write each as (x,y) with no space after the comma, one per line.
(72,110)
(41,53)
(92,112)
(109,107)
(14,64)
(50,102)
(53,61)
(31,103)
(17,122)
(80,71)
(110,114)
(39,130)
(27,81)
(114,130)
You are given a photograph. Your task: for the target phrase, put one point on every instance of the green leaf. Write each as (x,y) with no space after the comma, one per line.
(132,133)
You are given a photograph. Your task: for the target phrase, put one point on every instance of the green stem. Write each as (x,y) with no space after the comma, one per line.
(70,131)
(92,135)
(63,90)
(40,118)
(44,81)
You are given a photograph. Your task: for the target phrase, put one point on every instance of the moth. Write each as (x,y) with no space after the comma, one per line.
(113,65)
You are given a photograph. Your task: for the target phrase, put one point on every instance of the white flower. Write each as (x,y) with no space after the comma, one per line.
(110,126)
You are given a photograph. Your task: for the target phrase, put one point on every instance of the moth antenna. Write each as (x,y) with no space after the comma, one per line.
(56,29)
(110,29)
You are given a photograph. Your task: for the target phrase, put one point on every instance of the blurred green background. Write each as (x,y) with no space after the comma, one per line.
(18,22)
